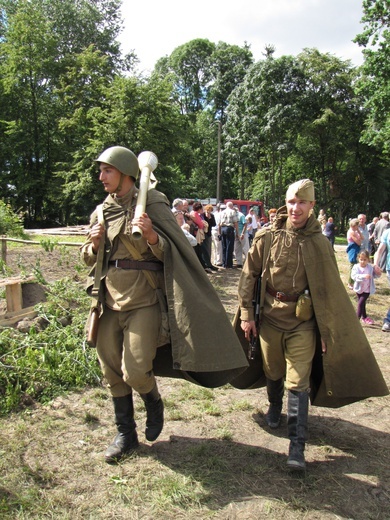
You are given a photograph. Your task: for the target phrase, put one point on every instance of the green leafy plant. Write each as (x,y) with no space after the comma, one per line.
(4,269)
(10,223)
(41,364)
(48,243)
(38,272)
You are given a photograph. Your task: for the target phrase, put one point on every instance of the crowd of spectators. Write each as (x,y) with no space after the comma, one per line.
(222,235)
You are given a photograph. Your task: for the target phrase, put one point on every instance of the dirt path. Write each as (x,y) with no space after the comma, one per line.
(216,458)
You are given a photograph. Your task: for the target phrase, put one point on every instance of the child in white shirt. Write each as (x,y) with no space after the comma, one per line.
(363,274)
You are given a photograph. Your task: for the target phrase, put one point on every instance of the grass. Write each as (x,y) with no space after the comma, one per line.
(215,459)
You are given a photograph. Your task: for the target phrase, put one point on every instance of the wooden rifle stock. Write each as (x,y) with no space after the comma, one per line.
(93,325)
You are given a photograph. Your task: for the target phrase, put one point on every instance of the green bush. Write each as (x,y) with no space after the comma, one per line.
(42,364)
(10,223)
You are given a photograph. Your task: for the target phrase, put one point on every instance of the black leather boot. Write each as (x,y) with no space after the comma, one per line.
(275,391)
(126,439)
(154,413)
(297,416)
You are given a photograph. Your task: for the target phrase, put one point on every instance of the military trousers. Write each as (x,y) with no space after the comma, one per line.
(126,347)
(288,354)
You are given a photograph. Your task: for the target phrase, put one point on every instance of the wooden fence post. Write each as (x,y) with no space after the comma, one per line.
(4,249)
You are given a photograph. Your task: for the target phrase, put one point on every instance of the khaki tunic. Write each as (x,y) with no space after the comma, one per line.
(127,289)
(285,272)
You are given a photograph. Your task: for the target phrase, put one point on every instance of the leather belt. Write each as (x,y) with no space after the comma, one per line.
(281,296)
(136,264)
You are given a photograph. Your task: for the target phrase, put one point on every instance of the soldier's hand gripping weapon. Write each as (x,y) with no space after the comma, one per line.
(147,164)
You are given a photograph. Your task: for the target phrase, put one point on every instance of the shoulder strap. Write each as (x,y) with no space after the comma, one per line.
(267,248)
(266,252)
(99,257)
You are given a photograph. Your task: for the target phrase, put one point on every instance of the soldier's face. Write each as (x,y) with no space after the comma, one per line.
(110,177)
(298,211)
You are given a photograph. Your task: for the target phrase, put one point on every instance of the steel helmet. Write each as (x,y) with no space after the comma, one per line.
(122,159)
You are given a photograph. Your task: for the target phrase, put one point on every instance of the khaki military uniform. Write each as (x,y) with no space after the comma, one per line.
(348,371)
(287,343)
(130,326)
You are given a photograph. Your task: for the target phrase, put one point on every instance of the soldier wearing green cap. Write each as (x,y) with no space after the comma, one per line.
(146,284)
(309,333)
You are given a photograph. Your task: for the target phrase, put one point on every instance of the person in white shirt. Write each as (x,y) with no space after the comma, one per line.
(215,236)
(228,227)
(253,225)
(241,243)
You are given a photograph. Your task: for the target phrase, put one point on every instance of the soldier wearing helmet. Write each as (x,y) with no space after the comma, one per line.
(131,304)
(123,160)
(136,274)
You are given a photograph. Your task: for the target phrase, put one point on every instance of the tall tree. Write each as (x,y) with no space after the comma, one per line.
(375,80)
(42,40)
(136,114)
(26,53)
(190,64)
(203,76)
(329,148)
(261,126)
(294,117)
(228,67)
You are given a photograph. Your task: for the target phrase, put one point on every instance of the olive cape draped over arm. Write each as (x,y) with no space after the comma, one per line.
(204,348)
(348,371)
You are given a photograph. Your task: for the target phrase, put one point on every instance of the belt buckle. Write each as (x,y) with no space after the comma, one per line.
(280,295)
(116,264)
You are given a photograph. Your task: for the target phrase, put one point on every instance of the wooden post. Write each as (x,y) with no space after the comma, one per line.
(14,292)
(14,297)
(4,249)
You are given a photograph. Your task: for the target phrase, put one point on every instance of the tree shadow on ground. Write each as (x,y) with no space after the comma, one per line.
(349,476)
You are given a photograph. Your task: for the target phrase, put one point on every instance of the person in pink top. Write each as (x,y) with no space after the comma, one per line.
(363,274)
(197,215)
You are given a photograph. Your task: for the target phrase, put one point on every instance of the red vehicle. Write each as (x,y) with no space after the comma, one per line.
(245,205)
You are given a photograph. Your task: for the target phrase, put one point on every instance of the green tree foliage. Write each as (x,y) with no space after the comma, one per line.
(296,117)
(42,41)
(228,67)
(191,65)
(10,223)
(131,111)
(374,83)
(203,75)
(66,93)
(263,114)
